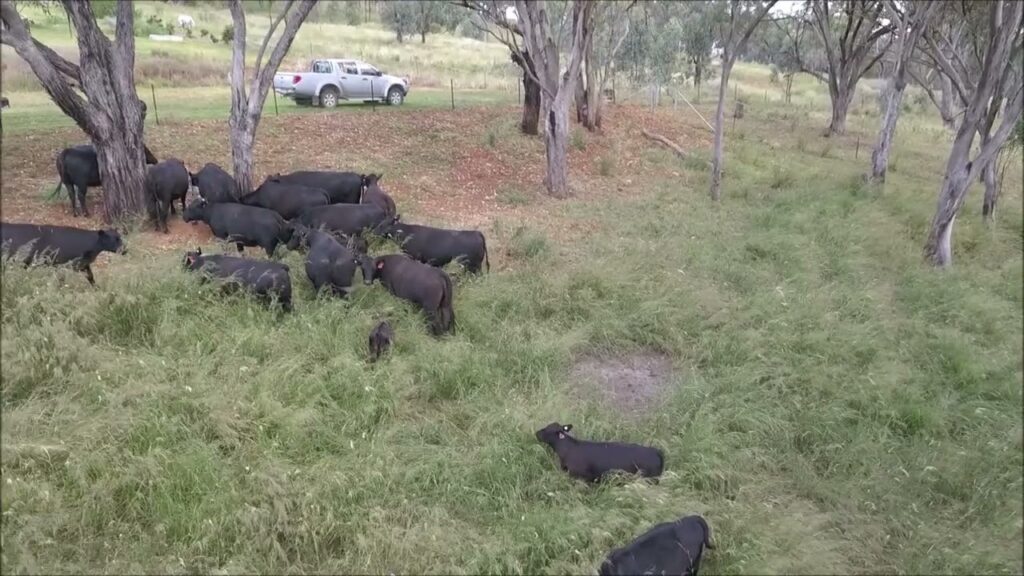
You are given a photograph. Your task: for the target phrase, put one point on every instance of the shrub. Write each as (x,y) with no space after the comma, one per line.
(606,165)
(228,35)
(577,140)
(781,178)
(204,33)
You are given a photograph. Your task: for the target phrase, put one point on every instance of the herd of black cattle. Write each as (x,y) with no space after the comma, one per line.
(327,214)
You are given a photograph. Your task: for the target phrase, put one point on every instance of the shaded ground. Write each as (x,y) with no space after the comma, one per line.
(630,383)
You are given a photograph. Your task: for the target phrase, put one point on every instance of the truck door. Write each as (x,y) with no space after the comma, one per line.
(352,82)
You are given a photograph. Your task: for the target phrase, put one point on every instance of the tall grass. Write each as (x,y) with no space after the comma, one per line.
(838,406)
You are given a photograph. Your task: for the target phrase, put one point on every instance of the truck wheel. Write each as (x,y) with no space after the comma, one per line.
(329,97)
(396,96)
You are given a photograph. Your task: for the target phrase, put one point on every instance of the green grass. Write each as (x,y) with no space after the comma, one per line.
(838,406)
(34,111)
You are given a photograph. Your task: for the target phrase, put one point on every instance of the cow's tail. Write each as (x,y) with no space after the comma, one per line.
(708,543)
(487,259)
(60,175)
(445,313)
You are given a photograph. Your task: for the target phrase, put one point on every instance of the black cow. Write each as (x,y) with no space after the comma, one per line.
(328,264)
(342,187)
(215,185)
(350,220)
(288,200)
(268,280)
(78,168)
(58,245)
(591,460)
(243,225)
(668,548)
(380,340)
(438,246)
(427,287)
(166,182)
(374,194)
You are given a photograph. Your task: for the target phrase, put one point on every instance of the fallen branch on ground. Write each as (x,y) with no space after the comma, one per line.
(671,145)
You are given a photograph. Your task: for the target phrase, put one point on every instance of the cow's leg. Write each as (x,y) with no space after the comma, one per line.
(82,189)
(88,274)
(70,186)
(183,202)
(270,248)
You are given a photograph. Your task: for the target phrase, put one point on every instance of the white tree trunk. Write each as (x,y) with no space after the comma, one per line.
(883,147)
(717,152)
(556,140)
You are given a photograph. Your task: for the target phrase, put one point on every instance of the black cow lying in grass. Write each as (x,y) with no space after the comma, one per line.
(438,246)
(591,460)
(166,182)
(267,280)
(215,185)
(427,287)
(668,548)
(30,243)
(78,168)
(243,225)
(329,264)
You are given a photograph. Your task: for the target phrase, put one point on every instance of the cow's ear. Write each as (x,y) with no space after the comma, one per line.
(380,265)
(199,251)
(379,176)
(567,428)
(561,435)
(190,259)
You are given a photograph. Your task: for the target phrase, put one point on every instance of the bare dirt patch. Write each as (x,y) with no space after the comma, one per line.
(630,383)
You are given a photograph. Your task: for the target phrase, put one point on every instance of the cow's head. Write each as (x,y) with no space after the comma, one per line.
(371,267)
(110,240)
(196,210)
(191,261)
(553,432)
(150,158)
(390,227)
(300,236)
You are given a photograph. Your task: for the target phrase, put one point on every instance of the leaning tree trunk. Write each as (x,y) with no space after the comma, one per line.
(883,147)
(946,102)
(243,140)
(991,180)
(938,248)
(595,99)
(580,98)
(556,140)
(717,152)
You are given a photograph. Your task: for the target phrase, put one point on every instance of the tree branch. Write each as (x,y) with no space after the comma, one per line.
(270,33)
(265,75)
(15,34)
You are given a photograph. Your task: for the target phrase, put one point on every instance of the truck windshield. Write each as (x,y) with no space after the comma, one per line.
(322,67)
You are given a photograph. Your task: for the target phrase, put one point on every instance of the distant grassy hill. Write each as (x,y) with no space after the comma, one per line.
(200,61)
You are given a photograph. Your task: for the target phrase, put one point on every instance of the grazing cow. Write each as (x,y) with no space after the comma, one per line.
(427,287)
(380,340)
(328,264)
(667,548)
(591,460)
(166,182)
(185,22)
(288,200)
(215,185)
(350,220)
(341,187)
(438,246)
(78,168)
(243,225)
(4,102)
(58,245)
(374,194)
(268,280)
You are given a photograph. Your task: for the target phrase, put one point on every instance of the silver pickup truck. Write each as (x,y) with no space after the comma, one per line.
(331,80)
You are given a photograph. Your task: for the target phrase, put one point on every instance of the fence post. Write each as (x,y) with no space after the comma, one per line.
(519,89)
(373,101)
(735,92)
(765,95)
(156,113)
(452,84)
(856,152)
(276,113)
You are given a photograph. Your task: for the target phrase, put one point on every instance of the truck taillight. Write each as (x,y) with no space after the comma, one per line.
(296,79)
